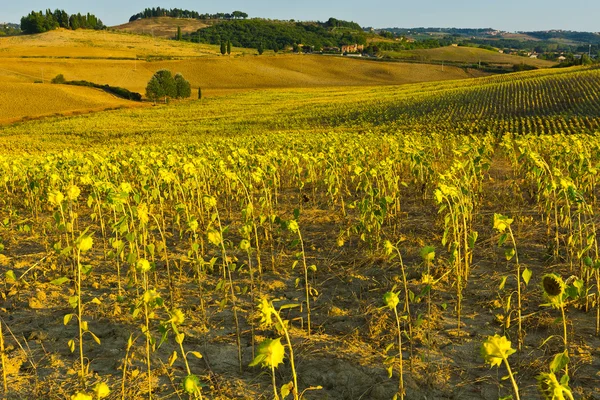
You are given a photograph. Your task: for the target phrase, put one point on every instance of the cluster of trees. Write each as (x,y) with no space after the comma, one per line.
(178,13)
(39,22)
(164,85)
(278,35)
(9,29)
(338,23)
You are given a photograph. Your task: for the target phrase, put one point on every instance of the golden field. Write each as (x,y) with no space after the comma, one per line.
(27,100)
(110,58)
(98,44)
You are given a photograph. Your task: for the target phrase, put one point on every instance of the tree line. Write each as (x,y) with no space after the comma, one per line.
(39,22)
(279,35)
(179,13)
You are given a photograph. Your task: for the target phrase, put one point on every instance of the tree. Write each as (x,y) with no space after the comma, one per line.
(161,85)
(58,79)
(260,49)
(223,48)
(585,59)
(182,86)
(199,93)
(179,33)
(229,47)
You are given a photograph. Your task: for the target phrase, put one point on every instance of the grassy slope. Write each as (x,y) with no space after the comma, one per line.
(20,100)
(235,72)
(98,44)
(165,27)
(468,55)
(29,58)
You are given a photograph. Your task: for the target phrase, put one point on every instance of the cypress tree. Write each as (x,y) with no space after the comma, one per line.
(229,47)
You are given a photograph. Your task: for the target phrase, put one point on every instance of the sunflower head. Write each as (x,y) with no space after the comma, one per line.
(391,300)
(270,353)
(554,288)
(496,349)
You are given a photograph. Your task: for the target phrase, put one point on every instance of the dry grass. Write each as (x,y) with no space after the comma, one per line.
(468,55)
(232,72)
(89,55)
(98,44)
(28,100)
(165,27)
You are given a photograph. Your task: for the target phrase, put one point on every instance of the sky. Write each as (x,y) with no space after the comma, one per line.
(507,15)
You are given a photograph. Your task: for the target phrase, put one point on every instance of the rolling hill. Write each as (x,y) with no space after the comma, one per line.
(62,43)
(129,60)
(165,27)
(110,58)
(28,100)
(464,54)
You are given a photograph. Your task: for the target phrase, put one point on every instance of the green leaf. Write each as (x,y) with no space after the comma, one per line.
(559,362)
(509,253)
(526,275)
(502,239)
(67,318)
(428,253)
(503,282)
(60,281)
(73,300)
(472,239)
(173,358)
(10,276)
(86,269)
(96,338)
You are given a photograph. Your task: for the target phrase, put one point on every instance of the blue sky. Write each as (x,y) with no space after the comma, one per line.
(509,15)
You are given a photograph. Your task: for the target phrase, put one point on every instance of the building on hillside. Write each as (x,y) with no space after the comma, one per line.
(562,58)
(353,48)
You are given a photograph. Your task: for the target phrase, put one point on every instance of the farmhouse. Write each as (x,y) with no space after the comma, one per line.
(352,48)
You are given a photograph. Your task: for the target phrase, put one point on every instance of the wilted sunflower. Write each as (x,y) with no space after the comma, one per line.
(554,288)
(553,285)
(551,389)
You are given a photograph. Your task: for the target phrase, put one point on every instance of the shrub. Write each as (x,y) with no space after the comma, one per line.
(58,79)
